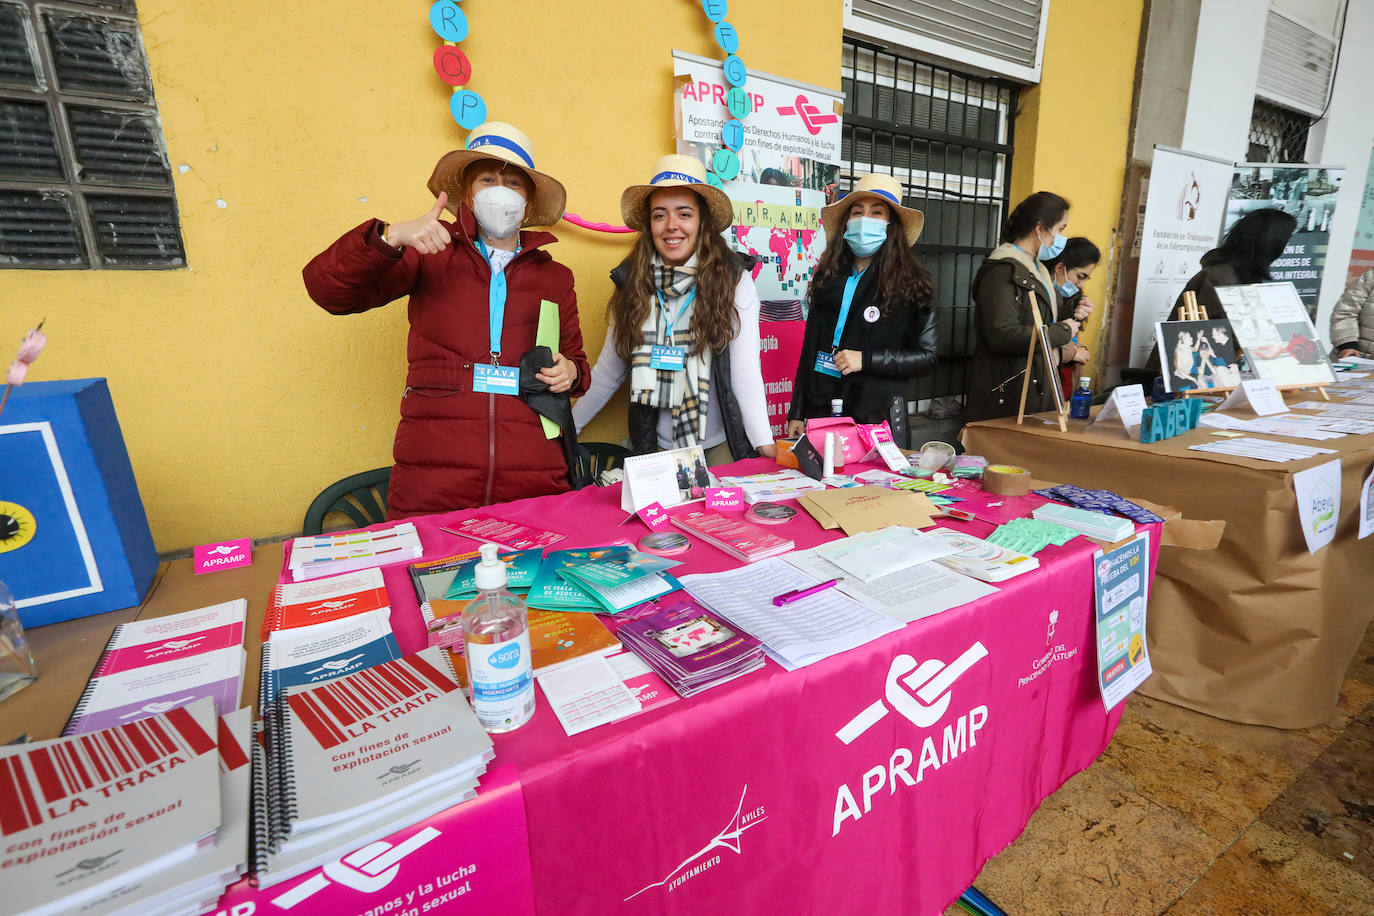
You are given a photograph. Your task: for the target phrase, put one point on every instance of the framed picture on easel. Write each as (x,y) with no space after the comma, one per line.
(1273,328)
(1197,356)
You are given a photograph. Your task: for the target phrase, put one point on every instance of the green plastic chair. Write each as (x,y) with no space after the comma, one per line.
(361,497)
(602,456)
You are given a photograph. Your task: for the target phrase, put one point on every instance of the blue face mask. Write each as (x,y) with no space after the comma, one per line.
(865,235)
(1068,289)
(1052,250)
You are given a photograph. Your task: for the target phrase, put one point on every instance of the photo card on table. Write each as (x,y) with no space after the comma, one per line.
(670,478)
(1197,355)
(1273,328)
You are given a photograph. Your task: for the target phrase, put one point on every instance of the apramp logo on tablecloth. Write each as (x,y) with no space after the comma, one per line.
(921,694)
(702,860)
(367,870)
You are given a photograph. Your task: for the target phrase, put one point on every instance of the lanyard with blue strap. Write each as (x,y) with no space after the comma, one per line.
(670,358)
(495,379)
(825,362)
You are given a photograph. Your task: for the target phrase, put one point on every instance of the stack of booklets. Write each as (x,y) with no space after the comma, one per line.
(323,651)
(692,648)
(331,554)
(556,639)
(773,487)
(1093,524)
(444,587)
(148,817)
(155,665)
(606,580)
(350,761)
(507,534)
(303,604)
(741,540)
(977,558)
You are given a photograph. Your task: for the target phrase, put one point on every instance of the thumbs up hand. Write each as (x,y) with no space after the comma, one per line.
(424,233)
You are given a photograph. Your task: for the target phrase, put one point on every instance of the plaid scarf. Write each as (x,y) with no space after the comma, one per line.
(686,393)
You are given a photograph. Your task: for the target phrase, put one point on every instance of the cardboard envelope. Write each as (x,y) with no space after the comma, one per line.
(860,509)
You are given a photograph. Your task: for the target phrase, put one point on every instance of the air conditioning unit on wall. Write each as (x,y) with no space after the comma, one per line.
(1004,37)
(1297,65)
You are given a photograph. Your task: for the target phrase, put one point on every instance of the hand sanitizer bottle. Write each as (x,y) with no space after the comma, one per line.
(496,636)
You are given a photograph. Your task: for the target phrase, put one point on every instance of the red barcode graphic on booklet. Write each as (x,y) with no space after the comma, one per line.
(99,763)
(232,755)
(331,711)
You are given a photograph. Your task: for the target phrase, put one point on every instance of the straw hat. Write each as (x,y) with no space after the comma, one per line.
(677,172)
(880,187)
(496,140)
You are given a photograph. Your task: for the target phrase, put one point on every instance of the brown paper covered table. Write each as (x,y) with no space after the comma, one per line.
(1256,630)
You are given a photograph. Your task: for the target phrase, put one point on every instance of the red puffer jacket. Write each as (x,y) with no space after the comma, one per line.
(457,448)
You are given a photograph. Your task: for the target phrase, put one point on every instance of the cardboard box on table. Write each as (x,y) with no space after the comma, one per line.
(1244,623)
(74,538)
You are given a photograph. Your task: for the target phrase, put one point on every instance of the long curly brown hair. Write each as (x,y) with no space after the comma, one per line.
(902,279)
(715,320)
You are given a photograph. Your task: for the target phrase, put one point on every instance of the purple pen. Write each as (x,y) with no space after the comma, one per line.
(789,597)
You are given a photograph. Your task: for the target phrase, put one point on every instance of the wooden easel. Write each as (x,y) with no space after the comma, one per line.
(1038,338)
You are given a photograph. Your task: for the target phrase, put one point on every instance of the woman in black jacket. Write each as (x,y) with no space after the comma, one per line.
(871,327)
(1243,257)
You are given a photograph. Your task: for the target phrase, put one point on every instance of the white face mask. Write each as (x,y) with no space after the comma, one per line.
(499,211)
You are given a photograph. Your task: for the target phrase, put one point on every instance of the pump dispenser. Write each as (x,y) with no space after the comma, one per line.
(496,637)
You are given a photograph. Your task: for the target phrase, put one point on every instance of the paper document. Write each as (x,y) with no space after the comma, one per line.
(587,693)
(1262,449)
(875,554)
(800,632)
(911,594)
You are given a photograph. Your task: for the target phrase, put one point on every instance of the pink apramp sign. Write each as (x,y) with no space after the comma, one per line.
(730,499)
(471,859)
(655,516)
(224,555)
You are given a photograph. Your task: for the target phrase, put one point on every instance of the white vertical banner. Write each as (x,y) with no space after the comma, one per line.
(1183,215)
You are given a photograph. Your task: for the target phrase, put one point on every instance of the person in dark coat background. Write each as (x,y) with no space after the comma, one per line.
(466,438)
(1071,268)
(1011,286)
(1243,257)
(871,328)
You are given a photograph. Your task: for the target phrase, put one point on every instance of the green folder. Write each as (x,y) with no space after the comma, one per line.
(547,336)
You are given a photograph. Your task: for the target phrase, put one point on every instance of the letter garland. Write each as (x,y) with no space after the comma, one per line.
(469,109)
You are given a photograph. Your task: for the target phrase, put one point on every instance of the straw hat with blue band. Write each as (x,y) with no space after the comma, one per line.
(879,187)
(504,143)
(676,172)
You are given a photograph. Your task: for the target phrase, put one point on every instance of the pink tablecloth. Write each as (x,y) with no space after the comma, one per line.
(743,799)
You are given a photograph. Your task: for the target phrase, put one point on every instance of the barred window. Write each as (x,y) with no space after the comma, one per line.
(947,136)
(1277,134)
(84,176)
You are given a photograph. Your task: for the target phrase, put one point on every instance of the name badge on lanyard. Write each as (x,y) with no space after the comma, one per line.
(825,362)
(495,379)
(669,359)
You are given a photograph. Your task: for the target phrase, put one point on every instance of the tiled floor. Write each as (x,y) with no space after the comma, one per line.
(1189,815)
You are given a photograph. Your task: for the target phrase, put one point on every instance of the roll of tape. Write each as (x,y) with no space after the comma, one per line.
(1006,480)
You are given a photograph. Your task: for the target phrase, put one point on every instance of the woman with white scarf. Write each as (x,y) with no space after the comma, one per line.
(683,324)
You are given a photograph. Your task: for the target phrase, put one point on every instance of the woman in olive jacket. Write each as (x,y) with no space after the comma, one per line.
(871,328)
(1011,280)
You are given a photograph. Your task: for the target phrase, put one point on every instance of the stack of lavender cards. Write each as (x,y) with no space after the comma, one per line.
(1104,502)
(691,648)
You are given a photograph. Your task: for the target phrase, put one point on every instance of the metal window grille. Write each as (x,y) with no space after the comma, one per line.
(1277,134)
(947,136)
(84,176)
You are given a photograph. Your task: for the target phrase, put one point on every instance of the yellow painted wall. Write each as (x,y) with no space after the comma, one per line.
(239,399)
(1074,130)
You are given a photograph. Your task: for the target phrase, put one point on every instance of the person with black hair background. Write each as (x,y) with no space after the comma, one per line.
(1243,257)
(1071,268)
(1010,291)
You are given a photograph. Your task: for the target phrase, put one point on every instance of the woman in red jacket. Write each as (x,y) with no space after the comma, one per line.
(476,286)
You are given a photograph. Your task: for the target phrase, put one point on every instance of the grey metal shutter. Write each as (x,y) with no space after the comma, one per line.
(39,229)
(16,63)
(1009,31)
(1295,65)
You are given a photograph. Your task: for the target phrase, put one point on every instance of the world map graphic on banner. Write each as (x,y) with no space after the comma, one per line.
(789,167)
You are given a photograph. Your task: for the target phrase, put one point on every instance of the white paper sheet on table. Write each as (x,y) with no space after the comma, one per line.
(912,594)
(798,633)
(874,554)
(586,693)
(1262,449)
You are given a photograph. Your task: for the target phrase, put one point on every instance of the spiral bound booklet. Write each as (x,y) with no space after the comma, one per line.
(309,655)
(99,810)
(302,604)
(369,739)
